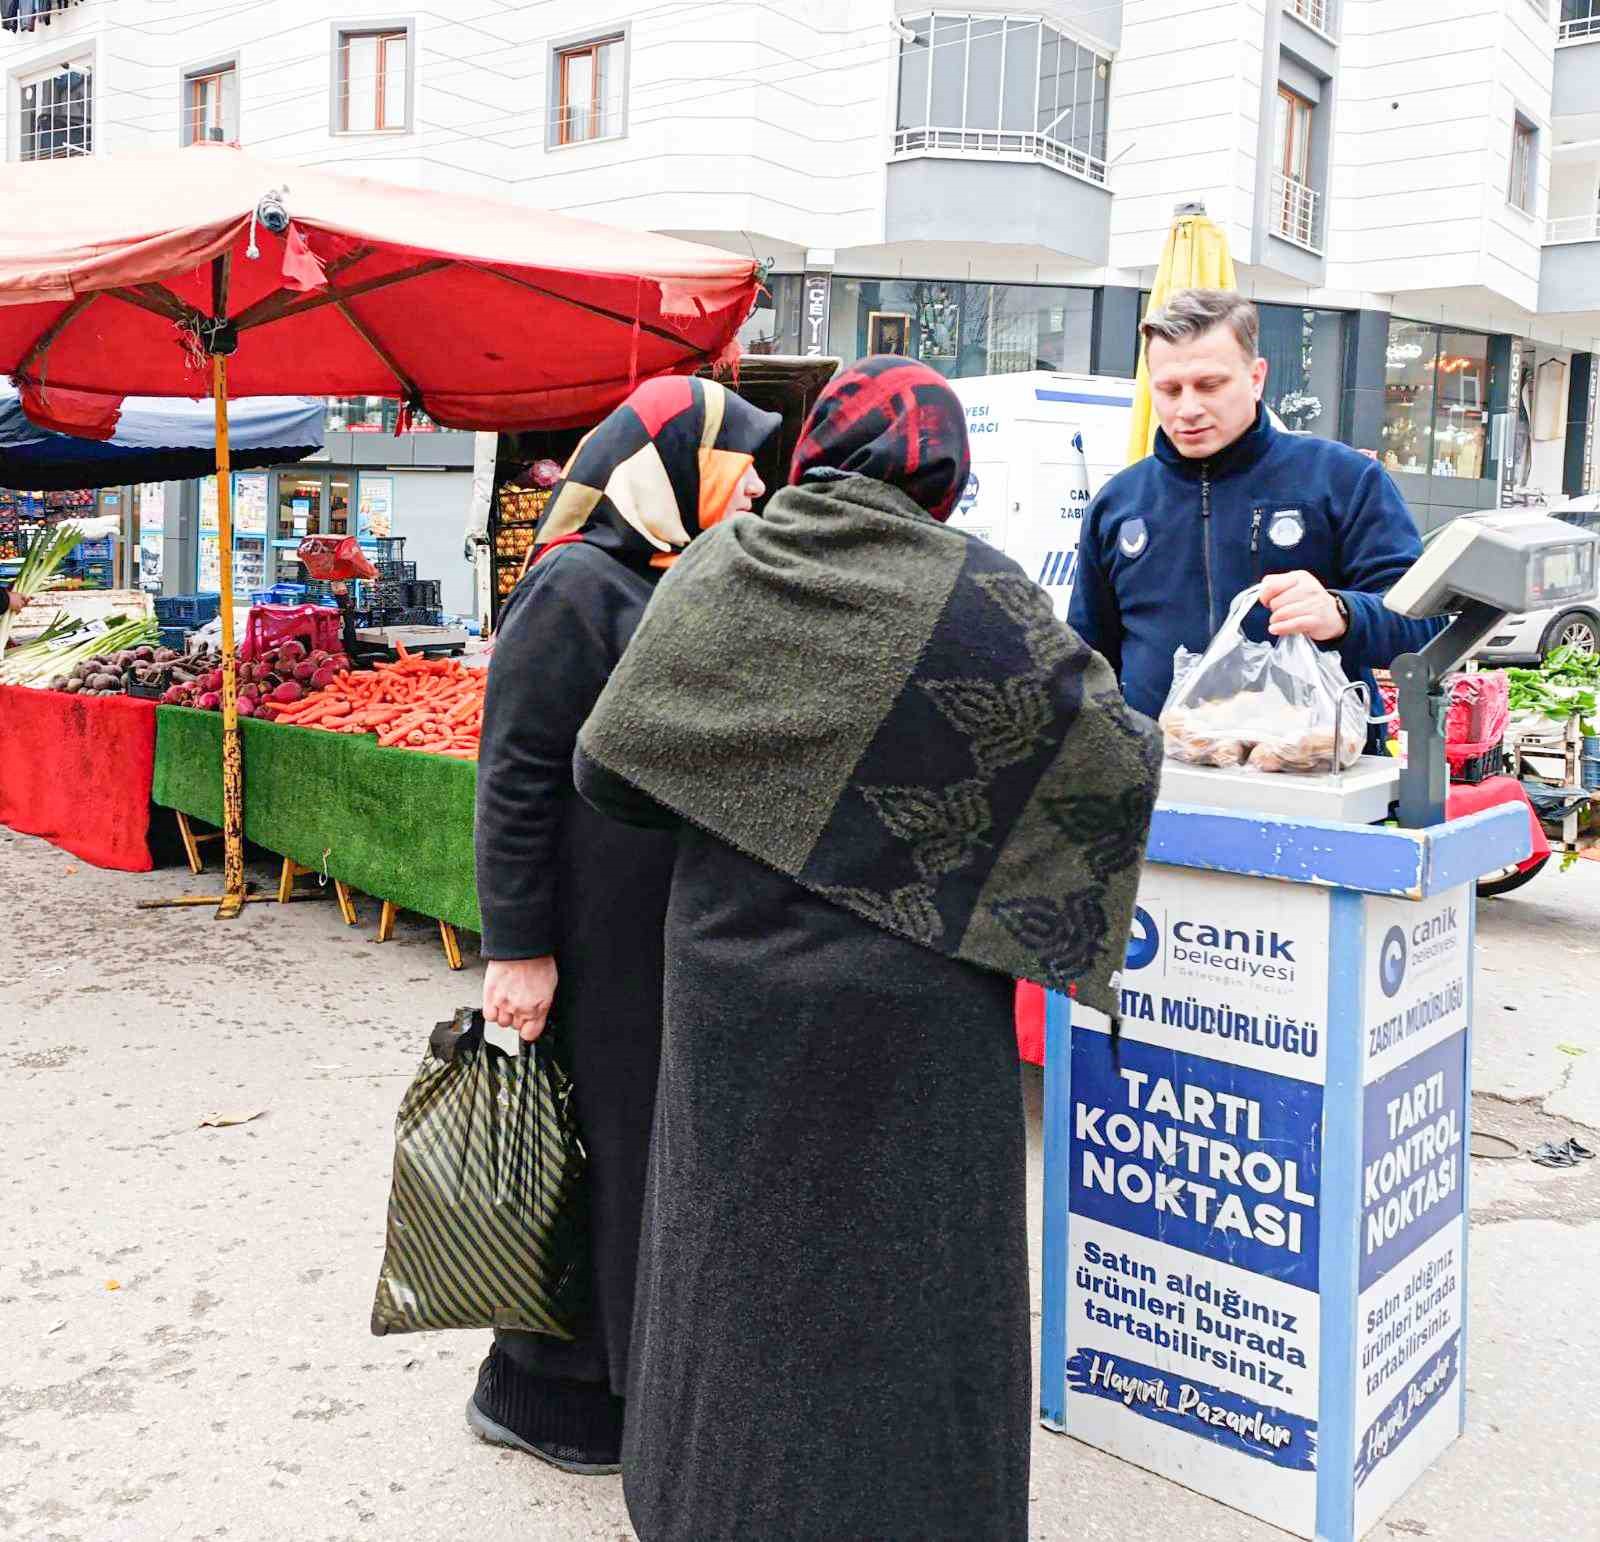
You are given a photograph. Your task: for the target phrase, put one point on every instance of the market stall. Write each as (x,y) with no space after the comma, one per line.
(1256,1252)
(391,823)
(77,771)
(271,278)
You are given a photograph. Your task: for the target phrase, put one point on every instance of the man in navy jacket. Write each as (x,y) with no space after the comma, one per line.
(1228,501)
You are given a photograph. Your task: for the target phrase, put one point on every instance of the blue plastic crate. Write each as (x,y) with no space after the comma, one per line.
(175,637)
(263,597)
(187,609)
(101,549)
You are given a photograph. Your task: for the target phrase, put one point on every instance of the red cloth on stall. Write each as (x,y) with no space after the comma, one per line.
(1473,798)
(78,770)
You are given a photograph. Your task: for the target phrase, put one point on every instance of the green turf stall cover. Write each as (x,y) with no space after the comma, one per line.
(397,824)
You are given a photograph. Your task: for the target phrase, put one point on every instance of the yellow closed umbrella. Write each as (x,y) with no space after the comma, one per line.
(1196,256)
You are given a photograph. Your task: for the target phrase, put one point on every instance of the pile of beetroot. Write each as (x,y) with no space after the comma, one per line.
(276,678)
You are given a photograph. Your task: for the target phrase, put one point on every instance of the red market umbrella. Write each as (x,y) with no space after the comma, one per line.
(208,271)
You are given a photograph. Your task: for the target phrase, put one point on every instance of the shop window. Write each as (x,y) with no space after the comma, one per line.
(373,415)
(1304,350)
(374,82)
(211,105)
(1003,85)
(1436,401)
(56,113)
(1523,187)
(963,330)
(588,90)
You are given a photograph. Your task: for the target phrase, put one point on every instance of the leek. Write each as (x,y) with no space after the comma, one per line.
(36,666)
(45,556)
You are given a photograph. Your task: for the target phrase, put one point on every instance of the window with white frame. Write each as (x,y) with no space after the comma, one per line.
(587,99)
(1002,85)
(374,82)
(1580,20)
(211,104)
(1523,185)
(55,115)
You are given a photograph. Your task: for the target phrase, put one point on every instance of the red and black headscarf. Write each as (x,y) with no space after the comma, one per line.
(894,420)
(658,471)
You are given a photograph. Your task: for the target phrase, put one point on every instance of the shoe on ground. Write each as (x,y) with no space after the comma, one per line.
(573,1425)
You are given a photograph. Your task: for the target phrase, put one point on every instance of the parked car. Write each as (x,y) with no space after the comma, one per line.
(1526,639)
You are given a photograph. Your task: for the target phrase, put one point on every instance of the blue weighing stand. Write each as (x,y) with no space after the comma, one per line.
(1255,1206)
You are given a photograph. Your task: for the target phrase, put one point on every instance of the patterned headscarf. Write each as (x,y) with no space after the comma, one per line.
(894,420)
(659,470)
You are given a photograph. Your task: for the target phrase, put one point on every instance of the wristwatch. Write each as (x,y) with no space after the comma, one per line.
(1342,608)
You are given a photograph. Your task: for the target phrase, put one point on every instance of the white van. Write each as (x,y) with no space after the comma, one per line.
(1042,446)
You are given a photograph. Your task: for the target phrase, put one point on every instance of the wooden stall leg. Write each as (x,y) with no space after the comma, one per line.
(287,875)
(347,909)
(191,848)
(452,947)
(386,920)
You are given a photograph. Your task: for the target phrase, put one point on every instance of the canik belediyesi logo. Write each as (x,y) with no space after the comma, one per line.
(1144,942)
(1206,950)
(1392,961)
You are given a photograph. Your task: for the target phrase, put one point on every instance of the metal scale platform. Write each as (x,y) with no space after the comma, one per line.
(1363,795)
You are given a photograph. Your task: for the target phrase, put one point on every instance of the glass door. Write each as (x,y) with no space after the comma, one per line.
(300,503)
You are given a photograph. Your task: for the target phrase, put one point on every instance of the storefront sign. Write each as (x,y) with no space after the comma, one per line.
(816,298)
(1261,1280)
(375,511)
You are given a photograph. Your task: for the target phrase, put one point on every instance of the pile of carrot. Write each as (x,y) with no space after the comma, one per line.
(417,703)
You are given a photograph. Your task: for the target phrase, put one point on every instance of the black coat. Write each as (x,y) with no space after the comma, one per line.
(832,1340)
(556,877)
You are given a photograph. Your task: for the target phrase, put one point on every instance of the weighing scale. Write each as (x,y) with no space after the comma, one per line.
(1478,569)
(435,641)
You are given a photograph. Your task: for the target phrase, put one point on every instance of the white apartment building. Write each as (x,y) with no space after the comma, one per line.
(1411,188)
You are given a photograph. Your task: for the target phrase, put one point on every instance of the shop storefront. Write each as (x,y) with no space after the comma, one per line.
(1443,391)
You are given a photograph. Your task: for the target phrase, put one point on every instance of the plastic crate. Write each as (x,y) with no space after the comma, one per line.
(101,549)
(398,572)
(262,596)
(187,610)
(174,637)
(1477,767)
(424,594)
(387,548)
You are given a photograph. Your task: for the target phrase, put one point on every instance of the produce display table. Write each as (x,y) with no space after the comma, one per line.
(1255,1230)
(77,770)
(395,824)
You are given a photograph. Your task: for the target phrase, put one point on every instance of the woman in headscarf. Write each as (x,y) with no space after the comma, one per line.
(899,782)
(573,904)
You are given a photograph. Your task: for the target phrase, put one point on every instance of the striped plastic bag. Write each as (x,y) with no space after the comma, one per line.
(488,1209)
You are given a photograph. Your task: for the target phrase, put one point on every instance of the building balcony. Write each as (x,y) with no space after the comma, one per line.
(1569,272)
(1576,85)
(1295,213)
(999,186)
(1004,144)
(1316,14)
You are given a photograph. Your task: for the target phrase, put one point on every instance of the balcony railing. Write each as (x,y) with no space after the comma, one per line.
(1314,13)
(1297,213)
(1574,227)
(1581,29)
(984,142)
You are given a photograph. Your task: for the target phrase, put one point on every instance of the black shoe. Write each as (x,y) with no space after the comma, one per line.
(573,1425)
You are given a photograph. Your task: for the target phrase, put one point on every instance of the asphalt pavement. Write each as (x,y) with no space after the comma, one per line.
(184,1352)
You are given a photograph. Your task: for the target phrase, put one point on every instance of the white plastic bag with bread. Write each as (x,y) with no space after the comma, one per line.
(1271,706)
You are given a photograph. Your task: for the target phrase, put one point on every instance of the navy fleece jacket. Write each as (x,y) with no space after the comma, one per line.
(1169,542)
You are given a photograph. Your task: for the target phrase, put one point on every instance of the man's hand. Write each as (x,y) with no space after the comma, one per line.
(1300,606)
(517,992)
(14,601)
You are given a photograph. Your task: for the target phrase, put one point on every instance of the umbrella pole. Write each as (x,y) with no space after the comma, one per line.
(233,888)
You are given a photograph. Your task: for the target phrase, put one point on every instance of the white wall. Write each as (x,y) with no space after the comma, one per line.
(1422,144)
(1185,110)
(430,511)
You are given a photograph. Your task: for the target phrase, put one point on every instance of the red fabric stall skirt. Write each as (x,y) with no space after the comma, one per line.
(77,770)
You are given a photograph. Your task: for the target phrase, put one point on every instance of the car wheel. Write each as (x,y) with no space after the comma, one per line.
(1573,629)
(1509,878)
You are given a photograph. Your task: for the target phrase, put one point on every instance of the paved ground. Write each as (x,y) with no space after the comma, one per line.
(184,1310)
